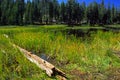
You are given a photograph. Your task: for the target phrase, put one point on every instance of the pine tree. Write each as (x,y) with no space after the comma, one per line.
(45,11)
(101,13)
(56,10)
(37,16)
(4,8)
(114,14)
(70,11)
(84,8)
(51,10)
(93,14)
(10,12)
(82,12)
(109,16)
(0,11)
(19,11)
(28,19)
(63,14)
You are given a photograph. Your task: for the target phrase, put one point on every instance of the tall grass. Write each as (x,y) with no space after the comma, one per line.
(89,55)
(69,51)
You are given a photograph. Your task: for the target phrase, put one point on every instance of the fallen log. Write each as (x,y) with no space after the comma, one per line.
(50,69)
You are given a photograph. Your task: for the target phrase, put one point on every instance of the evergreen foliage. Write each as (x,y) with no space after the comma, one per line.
(20,12)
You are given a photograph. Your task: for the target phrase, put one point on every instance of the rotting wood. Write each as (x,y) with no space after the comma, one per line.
(50,69)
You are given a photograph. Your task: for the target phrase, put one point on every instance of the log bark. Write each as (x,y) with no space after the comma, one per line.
(116,52)
(50,69)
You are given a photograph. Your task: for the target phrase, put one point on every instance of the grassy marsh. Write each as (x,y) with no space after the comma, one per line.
(88,58)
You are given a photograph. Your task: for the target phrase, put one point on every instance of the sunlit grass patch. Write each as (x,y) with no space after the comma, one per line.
(14,66)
